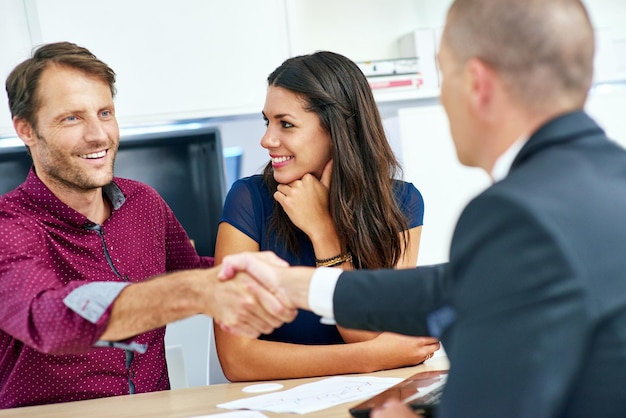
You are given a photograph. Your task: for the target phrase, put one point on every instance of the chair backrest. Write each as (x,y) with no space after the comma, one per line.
(191,334)
(176,367)
(214,373)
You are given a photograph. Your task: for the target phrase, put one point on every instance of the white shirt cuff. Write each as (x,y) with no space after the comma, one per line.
(322,290)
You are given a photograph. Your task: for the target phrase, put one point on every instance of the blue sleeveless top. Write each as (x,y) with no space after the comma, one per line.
(248,207)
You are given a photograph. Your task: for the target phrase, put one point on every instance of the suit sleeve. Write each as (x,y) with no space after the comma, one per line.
(390,300)
(521,323)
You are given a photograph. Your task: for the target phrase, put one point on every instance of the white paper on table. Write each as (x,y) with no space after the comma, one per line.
(316,396)
(235,414)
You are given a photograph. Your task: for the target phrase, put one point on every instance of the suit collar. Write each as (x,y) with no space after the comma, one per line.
(562,129)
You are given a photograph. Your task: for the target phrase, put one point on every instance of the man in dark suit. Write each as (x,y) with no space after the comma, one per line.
(531,306)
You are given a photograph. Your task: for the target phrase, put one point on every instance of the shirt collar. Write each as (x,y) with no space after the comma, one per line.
(504,162)
(115,195)
(45,199)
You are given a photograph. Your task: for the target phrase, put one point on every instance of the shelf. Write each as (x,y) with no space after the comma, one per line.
(405,95)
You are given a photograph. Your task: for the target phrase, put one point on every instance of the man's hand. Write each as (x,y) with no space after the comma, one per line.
(244,307)
(393,409)
(289,284)
(263,262)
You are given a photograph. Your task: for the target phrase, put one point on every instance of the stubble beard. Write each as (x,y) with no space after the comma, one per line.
(59,168)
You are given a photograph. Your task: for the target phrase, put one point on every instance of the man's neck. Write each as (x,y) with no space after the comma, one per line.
(92,204)
(519,125)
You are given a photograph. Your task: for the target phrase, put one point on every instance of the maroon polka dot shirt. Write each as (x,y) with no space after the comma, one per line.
(59,274)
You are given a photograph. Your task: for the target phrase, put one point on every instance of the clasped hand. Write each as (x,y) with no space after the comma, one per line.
(259,304)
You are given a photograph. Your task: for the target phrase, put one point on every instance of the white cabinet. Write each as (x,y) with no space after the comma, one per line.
(430,162)
(362,30)
(14,47)
(176,59)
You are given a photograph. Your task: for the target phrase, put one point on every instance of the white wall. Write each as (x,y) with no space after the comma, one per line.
(430,163)
(174,59)
(608,14)
(606,105)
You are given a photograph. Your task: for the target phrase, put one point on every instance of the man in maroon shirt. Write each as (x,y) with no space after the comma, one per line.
(78,317)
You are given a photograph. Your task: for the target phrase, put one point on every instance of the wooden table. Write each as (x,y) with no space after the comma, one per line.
(193,401)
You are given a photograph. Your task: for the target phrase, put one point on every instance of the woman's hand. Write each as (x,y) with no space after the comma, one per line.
(306,202)
(389,350)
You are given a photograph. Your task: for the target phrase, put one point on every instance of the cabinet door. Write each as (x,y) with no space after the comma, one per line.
(14,47)
(176,59)
(431,164)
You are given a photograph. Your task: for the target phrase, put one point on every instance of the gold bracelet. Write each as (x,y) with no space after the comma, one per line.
(334,261)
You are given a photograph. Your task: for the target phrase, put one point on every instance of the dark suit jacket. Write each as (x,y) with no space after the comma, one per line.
(532,304)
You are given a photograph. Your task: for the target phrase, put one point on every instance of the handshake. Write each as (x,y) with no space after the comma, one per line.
(258,292)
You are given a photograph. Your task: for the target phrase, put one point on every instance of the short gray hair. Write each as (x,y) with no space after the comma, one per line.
(543,49)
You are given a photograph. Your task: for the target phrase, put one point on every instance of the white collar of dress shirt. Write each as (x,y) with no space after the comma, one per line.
(504,162)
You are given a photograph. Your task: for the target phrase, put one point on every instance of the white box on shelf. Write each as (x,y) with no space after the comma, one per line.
(388,67)
(423,44)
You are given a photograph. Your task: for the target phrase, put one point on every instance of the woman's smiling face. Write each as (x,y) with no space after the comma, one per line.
(296,141)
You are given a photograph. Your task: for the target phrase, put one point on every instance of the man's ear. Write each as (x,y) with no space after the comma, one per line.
(481,82)
(24,131)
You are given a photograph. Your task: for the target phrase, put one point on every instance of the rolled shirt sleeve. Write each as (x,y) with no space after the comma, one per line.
(92,300)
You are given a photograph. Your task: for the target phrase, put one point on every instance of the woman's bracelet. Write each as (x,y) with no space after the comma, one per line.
(334,261)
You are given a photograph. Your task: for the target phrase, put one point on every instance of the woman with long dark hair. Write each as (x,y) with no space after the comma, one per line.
(328,197)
